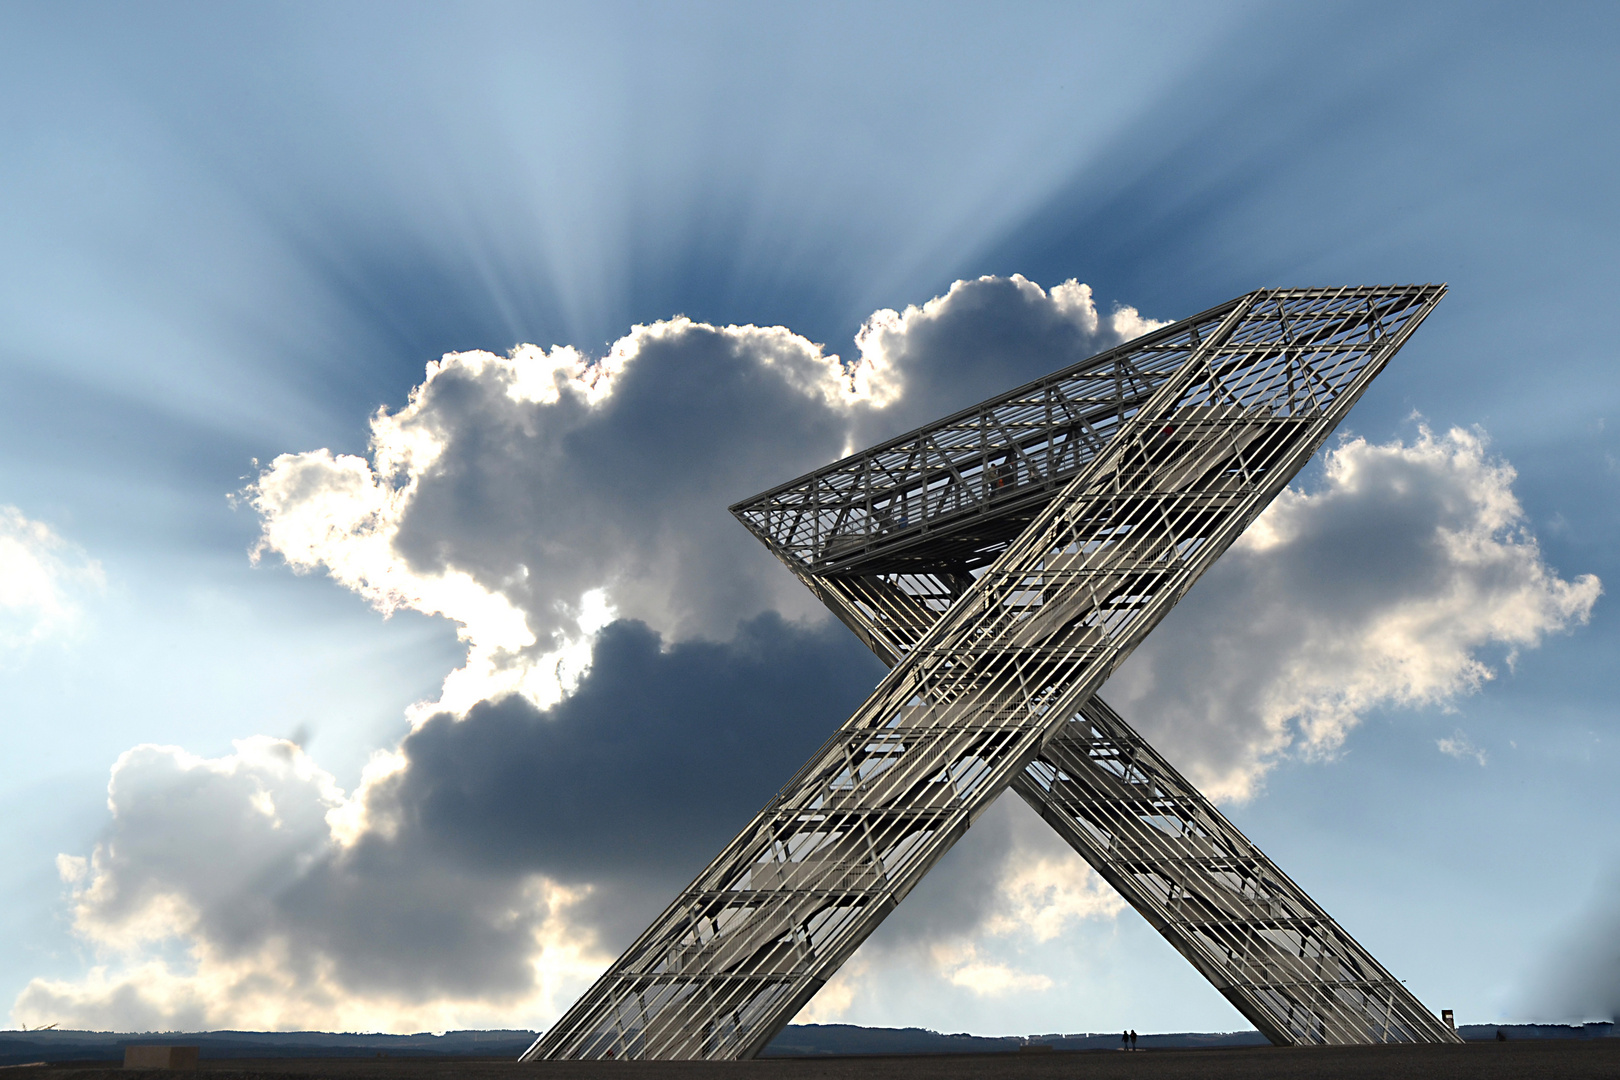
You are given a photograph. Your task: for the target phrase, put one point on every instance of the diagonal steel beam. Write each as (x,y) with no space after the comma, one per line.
(1269,948)
(1274,953)
(1259,939)
(1049,582)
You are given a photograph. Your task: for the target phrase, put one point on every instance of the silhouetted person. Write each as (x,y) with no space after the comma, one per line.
(1133,1038)
(1125,1040)
(1501,1036)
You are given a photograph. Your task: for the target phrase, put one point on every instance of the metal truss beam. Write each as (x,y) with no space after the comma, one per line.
(1005,568)
(1259,939)
(1286,965)
(1256,936)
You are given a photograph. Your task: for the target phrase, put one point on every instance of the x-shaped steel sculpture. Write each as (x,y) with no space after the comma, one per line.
(1004,561)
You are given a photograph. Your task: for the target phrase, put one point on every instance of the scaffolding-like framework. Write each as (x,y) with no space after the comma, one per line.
(1004,561)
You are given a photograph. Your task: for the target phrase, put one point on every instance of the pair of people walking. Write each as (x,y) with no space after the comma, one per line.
(1127,1040)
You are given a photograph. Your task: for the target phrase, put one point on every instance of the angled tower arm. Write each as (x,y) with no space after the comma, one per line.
(1255,935)
(1270,949)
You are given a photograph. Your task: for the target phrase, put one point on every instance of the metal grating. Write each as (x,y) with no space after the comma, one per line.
(938,495)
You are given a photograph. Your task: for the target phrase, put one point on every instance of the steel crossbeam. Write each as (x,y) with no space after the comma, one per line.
(1004,561)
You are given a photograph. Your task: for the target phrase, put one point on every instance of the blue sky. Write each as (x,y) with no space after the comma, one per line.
(233,235)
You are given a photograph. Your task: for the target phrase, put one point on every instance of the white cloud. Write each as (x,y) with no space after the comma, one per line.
(1041,894)
(43,579)
(1459,746)
(961,965)
(834,1000)
(535,497)
(1392,584)
(220,898)
(982,921)
(529,498)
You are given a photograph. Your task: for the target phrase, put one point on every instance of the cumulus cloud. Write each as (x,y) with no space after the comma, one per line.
(1034,890)
(640,676)
(980,338)
(218,898)
(530,497)
(43,579)
(962,966)
(1394,583)
(1461,747)
(482,880)
(503,858)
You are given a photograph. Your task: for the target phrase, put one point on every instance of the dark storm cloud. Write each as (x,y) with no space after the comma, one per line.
(636,779)
(509,489)
(233,857)
(623,790)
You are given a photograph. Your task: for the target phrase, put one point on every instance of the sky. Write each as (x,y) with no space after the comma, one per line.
(376,650)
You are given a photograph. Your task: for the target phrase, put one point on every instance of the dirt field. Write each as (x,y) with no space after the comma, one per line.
(1576,1058)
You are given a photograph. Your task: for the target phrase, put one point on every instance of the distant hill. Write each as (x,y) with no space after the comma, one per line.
(797,1040)
(1486,1032)
(805,1040)
(17,1047)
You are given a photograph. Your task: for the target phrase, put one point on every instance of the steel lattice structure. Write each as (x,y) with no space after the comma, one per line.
(1004,561)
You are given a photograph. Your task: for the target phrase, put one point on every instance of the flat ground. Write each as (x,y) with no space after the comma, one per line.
(1577,1058)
